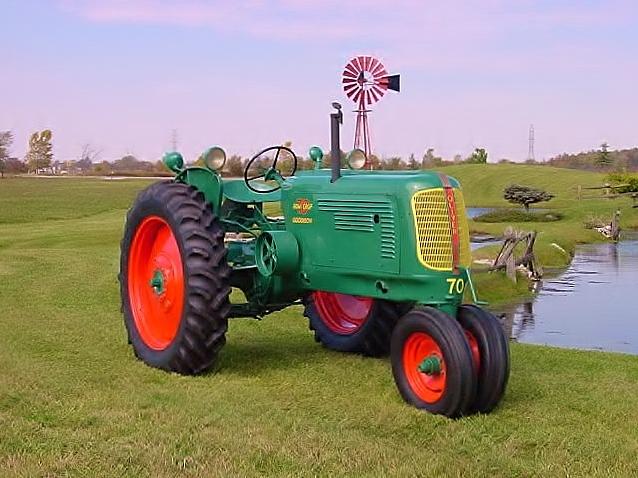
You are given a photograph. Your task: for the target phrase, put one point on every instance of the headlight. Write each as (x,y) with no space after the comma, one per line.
(214,158)
(356,159)
(316,154)
(173,161)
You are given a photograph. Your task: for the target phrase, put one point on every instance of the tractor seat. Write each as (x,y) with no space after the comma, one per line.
(236,190)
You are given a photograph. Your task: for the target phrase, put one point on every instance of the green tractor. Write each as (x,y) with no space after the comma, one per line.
(379,260)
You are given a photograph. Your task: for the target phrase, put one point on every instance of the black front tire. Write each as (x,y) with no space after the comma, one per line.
(454,396)
(494,357)
(201,331)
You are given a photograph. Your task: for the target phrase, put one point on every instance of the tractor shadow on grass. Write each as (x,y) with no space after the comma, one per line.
(246,357)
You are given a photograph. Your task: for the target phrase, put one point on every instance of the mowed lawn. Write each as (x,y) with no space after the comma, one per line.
(74,400)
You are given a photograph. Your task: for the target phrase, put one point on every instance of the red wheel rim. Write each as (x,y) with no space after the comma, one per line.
(418,347)
(155,282)
(343,314)
(476,354)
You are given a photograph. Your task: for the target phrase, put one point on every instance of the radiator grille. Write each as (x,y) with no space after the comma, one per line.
(465,258)
(433,233)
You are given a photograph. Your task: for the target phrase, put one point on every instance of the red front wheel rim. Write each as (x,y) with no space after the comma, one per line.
(343,314)
(418,347)
(155,282)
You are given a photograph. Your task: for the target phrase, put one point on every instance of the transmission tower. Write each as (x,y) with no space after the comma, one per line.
(530,153)
(174,140)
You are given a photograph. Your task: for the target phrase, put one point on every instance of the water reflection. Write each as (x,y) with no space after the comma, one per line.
(591,305)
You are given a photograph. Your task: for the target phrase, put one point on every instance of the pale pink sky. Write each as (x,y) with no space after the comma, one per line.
(246,74)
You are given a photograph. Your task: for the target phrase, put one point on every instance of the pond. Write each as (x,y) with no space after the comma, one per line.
(473,212)
(589,306)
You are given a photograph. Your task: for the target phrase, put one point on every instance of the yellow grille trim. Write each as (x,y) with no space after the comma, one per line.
(465,259)
(432,228)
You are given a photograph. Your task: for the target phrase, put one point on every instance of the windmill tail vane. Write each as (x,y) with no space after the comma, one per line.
(365,81)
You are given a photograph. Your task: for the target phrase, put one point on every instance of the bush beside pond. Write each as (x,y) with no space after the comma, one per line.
(517,215)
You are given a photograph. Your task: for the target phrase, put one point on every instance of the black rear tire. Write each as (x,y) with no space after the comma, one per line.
(494,357)
(371,338)
(452,395)
(201,331)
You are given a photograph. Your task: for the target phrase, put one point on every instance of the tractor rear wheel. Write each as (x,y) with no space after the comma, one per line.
(490,352)
(349,323)
(174,279)
(432,362)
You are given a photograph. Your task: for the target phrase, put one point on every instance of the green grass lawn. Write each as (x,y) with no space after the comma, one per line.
(74,400)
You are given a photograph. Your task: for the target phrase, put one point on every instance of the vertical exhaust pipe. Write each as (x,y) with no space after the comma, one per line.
(336,119)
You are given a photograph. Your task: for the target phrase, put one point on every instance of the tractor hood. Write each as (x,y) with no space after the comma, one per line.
(395,235)
(369,182)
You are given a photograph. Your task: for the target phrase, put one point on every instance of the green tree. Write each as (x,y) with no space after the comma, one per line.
(6,139)
(235,166)
(40,152)
(103,168)
(128,162)
(478,156)
(15,166)
(525,195)
(375,161)
(430,160)
(394,163)
(285,160)
(412,162)
(603,159)
(84,165)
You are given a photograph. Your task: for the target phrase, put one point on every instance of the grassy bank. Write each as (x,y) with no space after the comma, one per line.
(483,187)
(74,401)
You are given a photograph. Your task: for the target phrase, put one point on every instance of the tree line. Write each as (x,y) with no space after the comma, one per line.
(601,159)
(39,159)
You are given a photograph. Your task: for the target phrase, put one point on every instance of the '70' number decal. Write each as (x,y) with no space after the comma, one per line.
(456,285)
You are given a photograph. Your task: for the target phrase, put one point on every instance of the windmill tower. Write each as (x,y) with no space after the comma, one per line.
(365,81)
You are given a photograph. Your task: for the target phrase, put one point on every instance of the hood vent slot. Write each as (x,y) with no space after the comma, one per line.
(359,215)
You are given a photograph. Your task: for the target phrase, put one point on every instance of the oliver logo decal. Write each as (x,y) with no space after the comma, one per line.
(302,206)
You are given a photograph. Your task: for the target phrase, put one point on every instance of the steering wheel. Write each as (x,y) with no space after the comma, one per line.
(273,167)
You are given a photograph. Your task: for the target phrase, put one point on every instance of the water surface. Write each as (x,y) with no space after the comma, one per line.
(592,305)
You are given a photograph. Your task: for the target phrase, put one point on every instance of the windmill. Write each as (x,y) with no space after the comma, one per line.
(365,81)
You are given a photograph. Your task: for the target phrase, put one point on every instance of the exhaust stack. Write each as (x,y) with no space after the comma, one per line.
(336,120)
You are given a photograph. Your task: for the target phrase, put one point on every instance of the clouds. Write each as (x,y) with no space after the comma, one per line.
(283,19)
(354,17)
(419,34)
(474,72)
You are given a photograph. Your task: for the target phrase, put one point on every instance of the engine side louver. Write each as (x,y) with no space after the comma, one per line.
(359,215)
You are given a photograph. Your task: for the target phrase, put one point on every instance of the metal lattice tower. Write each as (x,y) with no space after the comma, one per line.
(530,152)
(174,141)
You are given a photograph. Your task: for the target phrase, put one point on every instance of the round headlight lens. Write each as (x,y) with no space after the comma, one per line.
(356,159)
(173,161)
(316,154)
(214,158)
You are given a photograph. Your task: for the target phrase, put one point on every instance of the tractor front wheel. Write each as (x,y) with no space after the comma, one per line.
(349,323)
(432,362)
(174,279)
(490,352)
